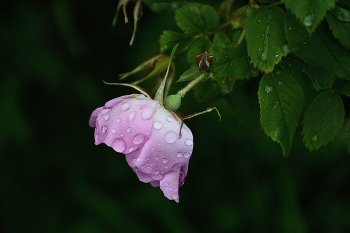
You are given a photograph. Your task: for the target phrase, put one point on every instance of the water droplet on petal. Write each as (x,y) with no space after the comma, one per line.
(314,138)
(104,129)
(147,113)
(187,155)
(174,196)
(156,172)
(140,97)
(268,88)
(121,135)
(159,144)
(157,125)
(138,139)
(166,184)
(131,148)
(165,126)
(188,142)
(169,119)
(166,167)
(170,137)
(128,130)
(113,130)
(118,145)
(179,154)
(118,120)
(126,106)
(165,160)
(106,117)
(132,116)
(138,159)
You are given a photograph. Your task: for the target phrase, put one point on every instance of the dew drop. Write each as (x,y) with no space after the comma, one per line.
(179,154)
(157,125)
(147,113)
(188,142)
(138,139)
(132,116)
(166,184)
(308,20)
(170,137)
(131,148)
(174,196)
(118,120)
(140,97)
(113,130)
(169,119)
(128,130)
(159,144)
(165,160)
(121,135)
(165,126)
(104,111)
(156,172)
(314,138)
(268,89)
(119,145)
(166,167)
(106,117)
(290,28)
(276,55)
(138,159)
(104,129)
(187,155)
(126,106)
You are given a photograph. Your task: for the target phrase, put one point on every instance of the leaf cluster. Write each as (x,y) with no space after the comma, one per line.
(298,51)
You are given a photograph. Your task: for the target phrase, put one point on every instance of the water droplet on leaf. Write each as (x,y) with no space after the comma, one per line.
(314,138)
(268,89)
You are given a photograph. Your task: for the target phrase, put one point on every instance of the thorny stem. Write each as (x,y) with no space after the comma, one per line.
(189,86)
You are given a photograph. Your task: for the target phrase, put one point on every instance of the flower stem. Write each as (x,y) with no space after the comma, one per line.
(189,86)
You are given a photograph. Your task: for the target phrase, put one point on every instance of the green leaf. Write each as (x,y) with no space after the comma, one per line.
(323,119)
(233,62)
(265,37)
(210,17)
(220,41)
(169,39)
(281,102)
(306,75)
(236,36)
(188,18)
(309,12)
(163,5)
(189,75)
(341,13)
(197,18)
(201,45)
(320,50)
(340,29)
(343,86)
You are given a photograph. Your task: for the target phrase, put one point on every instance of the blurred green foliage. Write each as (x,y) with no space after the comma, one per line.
(54,56)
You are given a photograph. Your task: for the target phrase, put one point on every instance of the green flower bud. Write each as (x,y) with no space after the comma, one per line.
(172,102)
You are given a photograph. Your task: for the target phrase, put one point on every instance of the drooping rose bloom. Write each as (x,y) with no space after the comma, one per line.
(148,135)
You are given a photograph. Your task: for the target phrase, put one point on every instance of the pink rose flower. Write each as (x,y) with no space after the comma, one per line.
(148,135)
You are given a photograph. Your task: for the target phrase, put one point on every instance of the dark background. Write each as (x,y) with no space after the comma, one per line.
(54,56)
